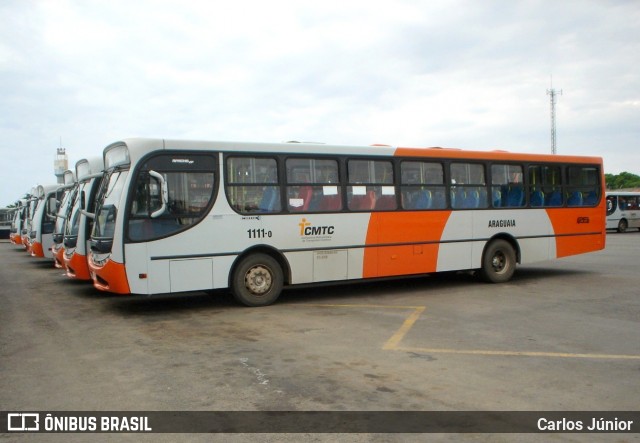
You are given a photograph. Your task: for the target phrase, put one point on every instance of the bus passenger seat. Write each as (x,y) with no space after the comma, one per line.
(269,202)
(424,200)
(555,199)
(457,197)
(439,200)
(515,197)
(386,203)
(305,194)
(575,199)
(537,199)
(591,199)
(330,203)
(471,199)
(482,195)
(496,197)
(363,202)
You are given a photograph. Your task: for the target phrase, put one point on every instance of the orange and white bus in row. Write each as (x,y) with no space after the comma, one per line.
(51,221)
(78,226)
(15,232)
(174,216)
(65,197)
(22,219)
(40,234)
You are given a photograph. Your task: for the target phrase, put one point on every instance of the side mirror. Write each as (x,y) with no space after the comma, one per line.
(91,215)
(52,206)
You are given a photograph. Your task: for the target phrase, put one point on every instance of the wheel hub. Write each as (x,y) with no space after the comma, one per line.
(258,280)
(498,262)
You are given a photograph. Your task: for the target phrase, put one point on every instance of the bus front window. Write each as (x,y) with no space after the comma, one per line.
(189,194)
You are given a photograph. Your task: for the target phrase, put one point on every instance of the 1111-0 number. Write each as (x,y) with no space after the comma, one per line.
(259,233)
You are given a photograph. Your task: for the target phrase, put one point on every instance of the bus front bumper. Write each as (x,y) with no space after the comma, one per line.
(109,277)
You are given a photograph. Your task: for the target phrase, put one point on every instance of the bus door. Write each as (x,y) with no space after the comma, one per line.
(629,210)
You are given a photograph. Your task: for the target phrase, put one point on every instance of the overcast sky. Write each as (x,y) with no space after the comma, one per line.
(468,74)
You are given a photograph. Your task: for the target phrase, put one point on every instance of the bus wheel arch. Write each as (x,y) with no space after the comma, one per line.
(499,259)
(258,276)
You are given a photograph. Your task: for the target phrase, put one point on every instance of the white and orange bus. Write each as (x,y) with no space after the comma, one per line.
(40,238)
(175,216)
(19,215)
(66,195)
(78,226)
(623,210)
(21,237)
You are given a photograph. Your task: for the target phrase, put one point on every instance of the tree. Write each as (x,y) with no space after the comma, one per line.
(623,180)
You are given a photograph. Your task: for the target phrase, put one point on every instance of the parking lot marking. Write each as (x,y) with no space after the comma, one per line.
(394,341)
(516,353)
(393,344)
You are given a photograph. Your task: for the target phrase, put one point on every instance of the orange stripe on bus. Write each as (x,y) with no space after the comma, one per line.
(573,228)
(415,230)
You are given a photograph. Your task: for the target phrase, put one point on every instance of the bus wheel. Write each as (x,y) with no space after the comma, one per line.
(257,280)
(498,262)
(623,225)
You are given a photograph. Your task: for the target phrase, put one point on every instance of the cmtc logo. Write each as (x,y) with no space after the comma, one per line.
(308,232)
(25,421)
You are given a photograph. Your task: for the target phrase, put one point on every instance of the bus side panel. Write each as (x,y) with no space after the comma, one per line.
(413,238)
(301,265)
(456,248)
(158,269)
(531,229)
(578,230)
(137,271)
(355,263)
(327,247)
(198,270)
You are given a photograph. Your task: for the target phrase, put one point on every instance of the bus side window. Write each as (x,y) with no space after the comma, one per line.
(583,186)
(422,185)
(252,185)
(312,185)
(370,185)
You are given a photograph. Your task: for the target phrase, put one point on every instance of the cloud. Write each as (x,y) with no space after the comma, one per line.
(458,74)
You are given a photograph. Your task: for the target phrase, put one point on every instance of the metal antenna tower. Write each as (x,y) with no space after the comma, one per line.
(553,93)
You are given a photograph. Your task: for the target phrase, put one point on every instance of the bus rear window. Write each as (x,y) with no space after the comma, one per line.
(583,186)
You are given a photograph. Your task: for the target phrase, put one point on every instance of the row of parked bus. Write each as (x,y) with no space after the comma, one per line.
(51,221)
(154,216)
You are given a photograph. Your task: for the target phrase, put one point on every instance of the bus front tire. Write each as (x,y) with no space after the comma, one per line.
(257,280)
(622,226)
(498,262)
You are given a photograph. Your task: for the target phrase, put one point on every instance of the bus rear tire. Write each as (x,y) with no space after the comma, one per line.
(498,262)
(257,280)
(623,225)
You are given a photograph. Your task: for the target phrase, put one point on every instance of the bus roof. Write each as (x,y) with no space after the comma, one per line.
(138,147)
